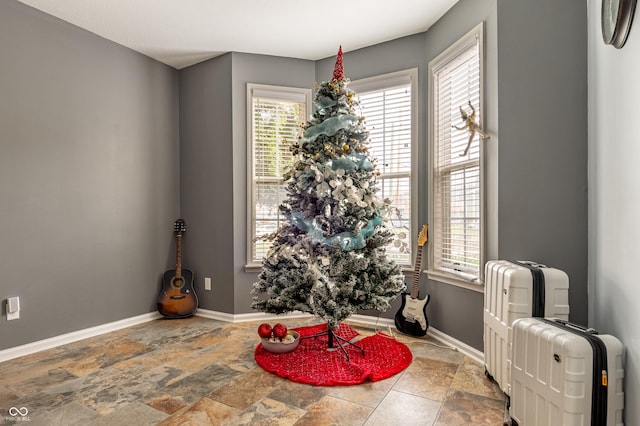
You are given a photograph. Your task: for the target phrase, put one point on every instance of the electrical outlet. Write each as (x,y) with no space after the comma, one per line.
(207,283)
(13,308)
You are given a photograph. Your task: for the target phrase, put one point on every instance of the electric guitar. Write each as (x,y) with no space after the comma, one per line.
(177,298)
(411,318)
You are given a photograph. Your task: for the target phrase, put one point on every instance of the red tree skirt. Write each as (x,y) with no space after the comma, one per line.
(313,364)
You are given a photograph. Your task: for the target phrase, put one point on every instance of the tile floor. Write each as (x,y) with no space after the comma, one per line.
(200,371)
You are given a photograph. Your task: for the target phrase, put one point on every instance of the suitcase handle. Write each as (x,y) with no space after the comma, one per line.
(579,327)
(538,287)
(532,263)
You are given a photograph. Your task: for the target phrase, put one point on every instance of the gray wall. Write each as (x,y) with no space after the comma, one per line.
(214,168)
(535,103)
(88,176)
(457,311)
(551,196)
(206,172)
(92,165)
(259,69)
(614,197)
(542,88)
(536,174)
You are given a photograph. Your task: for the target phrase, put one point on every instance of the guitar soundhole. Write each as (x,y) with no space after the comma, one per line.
(177,282)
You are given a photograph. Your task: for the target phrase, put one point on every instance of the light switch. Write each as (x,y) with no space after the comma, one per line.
(13,308)
(13,305)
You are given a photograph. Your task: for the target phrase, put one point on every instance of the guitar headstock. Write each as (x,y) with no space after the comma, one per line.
(422,237)
(178,227)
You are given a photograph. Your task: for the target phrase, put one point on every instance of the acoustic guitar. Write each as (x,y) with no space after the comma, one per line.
(411,318)
(177,298)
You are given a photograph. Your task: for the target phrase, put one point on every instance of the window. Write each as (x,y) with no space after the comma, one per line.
(389,105)
(275,116)
(456,191)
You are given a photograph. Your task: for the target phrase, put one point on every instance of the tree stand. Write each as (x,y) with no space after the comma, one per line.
(339,340)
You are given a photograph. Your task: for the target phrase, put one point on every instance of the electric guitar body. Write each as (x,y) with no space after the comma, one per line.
(177,298)
(411,318)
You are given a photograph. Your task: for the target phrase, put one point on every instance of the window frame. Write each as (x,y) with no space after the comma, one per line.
(271,92)
(385,82)
(441,60)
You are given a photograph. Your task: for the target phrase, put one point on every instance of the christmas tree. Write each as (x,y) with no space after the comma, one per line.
(329,258)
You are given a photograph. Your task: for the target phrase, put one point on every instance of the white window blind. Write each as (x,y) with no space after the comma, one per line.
(456,232)
(387,103)
(276,117)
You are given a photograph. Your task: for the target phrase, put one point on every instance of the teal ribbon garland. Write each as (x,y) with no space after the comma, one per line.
(346,241)
(324,102)
(329,127)
(352,162)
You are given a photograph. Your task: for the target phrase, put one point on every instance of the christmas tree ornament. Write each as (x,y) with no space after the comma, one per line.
(329,257)
(264,330)
(280,330)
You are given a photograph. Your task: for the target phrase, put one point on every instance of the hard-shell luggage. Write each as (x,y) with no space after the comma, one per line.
(517,290)
(565,374)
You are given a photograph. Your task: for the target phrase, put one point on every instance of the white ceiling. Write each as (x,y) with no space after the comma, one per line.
(180,33)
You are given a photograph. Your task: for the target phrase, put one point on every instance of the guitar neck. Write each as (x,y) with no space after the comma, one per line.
(179,256)
(415,286)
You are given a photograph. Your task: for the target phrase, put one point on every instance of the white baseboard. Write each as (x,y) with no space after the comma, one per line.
(63,339)
(366,320)
(74,336)
(463,348)
(388,323)
(257,316)
(370,321)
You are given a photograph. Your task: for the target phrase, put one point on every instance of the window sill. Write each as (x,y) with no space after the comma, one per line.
(253,267)
(456,280)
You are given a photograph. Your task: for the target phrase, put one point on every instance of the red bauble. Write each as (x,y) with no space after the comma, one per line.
(280,331)
(264,330)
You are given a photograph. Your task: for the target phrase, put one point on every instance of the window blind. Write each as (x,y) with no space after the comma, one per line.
(456,237)
(275,125)
(388,117)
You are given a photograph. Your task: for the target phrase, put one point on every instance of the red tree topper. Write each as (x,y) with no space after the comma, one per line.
(338,70)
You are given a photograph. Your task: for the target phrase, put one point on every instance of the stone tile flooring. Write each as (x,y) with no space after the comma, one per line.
(199,371)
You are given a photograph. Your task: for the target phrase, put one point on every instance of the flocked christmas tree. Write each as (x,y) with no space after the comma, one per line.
(329,259)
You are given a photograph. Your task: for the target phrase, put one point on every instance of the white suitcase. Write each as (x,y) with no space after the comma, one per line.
(563,374)
(517,290)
